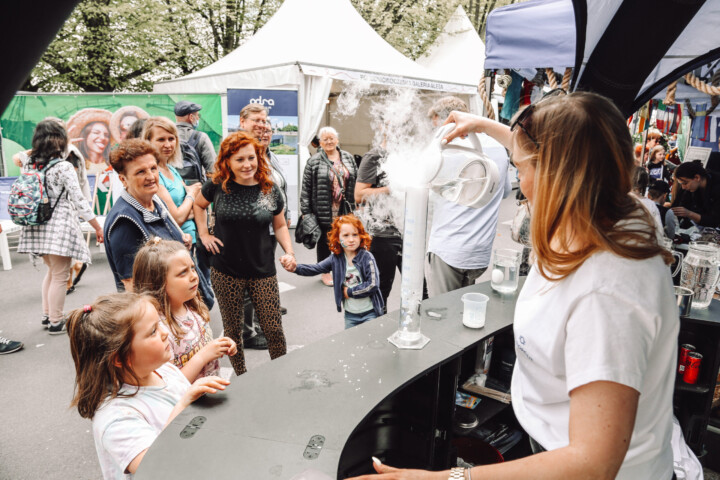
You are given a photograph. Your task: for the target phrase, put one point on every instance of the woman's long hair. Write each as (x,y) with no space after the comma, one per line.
(229,147)
(150,272)
(169,127)
(49,142)
(583,178)
(100,344)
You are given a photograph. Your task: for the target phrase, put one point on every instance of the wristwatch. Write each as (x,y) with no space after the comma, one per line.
(457,473)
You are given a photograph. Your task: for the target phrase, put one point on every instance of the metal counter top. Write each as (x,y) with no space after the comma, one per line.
(260,426)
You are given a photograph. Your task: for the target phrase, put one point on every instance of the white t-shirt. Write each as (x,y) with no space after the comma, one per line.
(613,319)
(124,427)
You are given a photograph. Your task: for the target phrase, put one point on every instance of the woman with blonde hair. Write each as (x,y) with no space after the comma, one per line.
(595,324)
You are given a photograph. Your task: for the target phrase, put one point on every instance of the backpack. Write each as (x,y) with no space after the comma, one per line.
(192,170)
(29,202)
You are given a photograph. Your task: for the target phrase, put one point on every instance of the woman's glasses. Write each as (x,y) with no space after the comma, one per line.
(521,119)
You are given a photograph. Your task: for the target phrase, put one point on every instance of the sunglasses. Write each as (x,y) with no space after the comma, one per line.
(521,119)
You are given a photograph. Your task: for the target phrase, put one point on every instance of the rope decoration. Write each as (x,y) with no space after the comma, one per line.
(552,81)
(670,94)
(698,84)
(489,112)
(690,109)
(567,77)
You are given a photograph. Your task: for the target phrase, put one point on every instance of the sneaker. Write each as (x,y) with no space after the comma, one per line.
(58,328)
(9,346)
(45,321)
(258,342)
(283,310)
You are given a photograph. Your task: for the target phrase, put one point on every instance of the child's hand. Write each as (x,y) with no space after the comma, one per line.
(204,385)
(217,348)
(288,262)
(232,350)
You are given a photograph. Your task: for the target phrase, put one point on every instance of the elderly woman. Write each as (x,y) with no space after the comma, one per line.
(328,188)
(247,203)
(60,239)
(139,213)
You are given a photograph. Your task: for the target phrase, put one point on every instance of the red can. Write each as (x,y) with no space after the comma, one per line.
(684,350)
(692,368)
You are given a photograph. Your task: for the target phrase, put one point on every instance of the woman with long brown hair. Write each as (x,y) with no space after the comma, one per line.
(596,323)
(246,203)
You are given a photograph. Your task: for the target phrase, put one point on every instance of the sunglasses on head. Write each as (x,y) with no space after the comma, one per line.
(525,114)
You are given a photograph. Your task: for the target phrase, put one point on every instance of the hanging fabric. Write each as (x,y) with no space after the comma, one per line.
(661,117)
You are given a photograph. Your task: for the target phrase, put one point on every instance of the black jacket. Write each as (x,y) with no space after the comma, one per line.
(316,195)
(706,202)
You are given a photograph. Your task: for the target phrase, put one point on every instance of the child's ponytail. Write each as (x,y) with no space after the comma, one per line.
(100,339)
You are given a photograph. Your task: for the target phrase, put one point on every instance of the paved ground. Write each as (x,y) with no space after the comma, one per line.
(40,436)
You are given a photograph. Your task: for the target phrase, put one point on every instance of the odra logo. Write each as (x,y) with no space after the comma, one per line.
(265,102)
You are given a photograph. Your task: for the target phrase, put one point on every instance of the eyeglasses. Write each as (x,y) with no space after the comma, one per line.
(521,120)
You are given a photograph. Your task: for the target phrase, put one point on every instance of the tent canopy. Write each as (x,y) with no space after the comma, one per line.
(458,52)
(325,38)
(614,55)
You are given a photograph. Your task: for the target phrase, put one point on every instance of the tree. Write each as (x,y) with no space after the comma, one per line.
(128,45)
(113,45)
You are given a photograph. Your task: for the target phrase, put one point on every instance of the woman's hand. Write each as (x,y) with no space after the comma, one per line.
(193,189)
(288,262)
(681,211)
(99,235)
(187,240)
(211,243)
(465,123)
(386,472)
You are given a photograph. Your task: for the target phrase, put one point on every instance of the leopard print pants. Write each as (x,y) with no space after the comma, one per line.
(265,297)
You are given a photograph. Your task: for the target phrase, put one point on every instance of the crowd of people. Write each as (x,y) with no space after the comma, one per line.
(176,244)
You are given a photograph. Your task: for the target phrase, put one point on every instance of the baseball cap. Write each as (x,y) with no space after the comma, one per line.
(183,107)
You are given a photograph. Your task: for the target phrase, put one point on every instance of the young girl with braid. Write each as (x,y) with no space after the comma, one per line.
(165,270)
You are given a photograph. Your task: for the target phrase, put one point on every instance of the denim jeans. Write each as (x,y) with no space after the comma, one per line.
(352,319)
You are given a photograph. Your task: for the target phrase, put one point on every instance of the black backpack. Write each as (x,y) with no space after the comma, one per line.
(192,169)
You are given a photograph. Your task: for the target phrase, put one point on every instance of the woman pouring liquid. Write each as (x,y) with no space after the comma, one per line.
(595,324)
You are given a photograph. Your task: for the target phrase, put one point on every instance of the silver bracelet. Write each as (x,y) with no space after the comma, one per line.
(457,473)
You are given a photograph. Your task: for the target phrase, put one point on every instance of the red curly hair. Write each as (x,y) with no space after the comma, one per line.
(334,233)
(229,147)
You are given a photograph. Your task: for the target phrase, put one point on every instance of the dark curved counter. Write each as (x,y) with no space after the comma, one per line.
(341,388)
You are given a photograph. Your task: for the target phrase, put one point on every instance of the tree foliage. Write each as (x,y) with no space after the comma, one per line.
(128,45)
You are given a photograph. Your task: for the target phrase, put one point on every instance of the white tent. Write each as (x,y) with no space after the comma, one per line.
(457,52)
(306,45)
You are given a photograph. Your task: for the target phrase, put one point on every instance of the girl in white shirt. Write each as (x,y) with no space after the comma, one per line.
(595,324)
(124,382)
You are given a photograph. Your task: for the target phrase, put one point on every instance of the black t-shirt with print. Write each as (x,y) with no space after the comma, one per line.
(242,220)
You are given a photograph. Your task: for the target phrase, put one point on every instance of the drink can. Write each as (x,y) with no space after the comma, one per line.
(692,369)
(684,350)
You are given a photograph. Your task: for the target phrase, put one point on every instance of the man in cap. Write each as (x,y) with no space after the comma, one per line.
(187,118)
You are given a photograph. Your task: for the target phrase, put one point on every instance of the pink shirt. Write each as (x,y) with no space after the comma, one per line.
(197,335)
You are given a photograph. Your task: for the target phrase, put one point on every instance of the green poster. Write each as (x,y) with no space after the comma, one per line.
(95,122)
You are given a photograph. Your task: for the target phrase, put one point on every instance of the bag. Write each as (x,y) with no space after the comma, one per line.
(192,170)
(29,202)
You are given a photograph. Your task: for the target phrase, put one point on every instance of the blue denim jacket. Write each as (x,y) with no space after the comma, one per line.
(366,265)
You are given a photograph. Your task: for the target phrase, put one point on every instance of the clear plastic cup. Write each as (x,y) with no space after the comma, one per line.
(474,308)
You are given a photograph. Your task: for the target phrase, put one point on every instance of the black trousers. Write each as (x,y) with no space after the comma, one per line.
(388,255)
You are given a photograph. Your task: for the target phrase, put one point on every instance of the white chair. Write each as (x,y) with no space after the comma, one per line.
(7,227)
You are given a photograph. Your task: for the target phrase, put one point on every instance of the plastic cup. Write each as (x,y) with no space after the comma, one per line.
(474,308)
